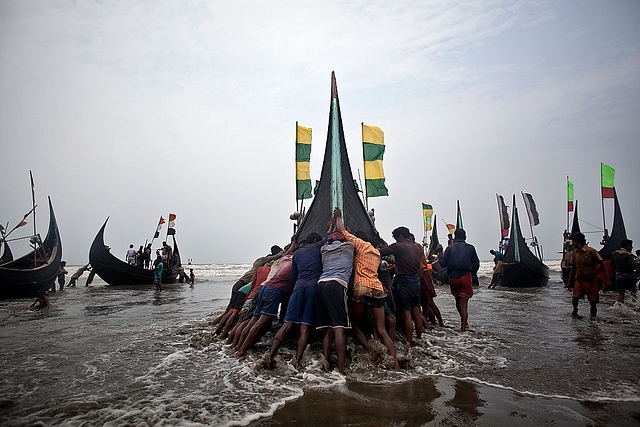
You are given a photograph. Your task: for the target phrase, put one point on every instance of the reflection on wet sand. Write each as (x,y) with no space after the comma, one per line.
(467,401)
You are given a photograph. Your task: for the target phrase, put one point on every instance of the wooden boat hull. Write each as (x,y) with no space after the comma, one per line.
(114,271)
(20,278)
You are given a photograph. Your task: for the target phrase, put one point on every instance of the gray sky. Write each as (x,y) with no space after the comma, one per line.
(136,109)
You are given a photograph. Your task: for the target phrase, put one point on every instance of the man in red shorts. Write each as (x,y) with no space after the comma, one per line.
(461,260)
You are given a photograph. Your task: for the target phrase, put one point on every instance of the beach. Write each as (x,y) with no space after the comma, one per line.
(104,355)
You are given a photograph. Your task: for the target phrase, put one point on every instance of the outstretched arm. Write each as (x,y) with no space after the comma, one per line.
(337,218)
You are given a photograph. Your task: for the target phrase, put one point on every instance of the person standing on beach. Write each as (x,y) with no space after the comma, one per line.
(583,276)
(407,281)
(306,269)
(624,266)
(368,291)
(461,261)
(331,295)
(157,275)
(61,273)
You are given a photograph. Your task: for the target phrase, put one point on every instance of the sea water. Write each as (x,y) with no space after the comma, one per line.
(105,355)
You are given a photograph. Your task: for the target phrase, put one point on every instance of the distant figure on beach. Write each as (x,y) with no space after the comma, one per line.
(192,277)
(157,275)
(79,272)
(406,283)
(461,261)
(331,293)
(131,255)
(306,268)
(583,277)
(624,266)
(505,245)
(41,302)
(449,239)
(61,273)
(497,256)
(140,257)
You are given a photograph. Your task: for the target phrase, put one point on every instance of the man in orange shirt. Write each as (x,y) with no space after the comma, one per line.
(367,290)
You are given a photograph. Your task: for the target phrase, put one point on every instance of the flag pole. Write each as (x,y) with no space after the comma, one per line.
(295,156)
(364,190)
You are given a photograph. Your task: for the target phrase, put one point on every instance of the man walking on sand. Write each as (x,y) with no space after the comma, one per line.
(583,277)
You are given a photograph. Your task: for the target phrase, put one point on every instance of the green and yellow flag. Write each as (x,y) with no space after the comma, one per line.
(427,213)
(373,151)
(303,156)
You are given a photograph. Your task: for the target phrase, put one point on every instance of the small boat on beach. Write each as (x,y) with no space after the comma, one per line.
(36,271)
(115,271)
(521,268)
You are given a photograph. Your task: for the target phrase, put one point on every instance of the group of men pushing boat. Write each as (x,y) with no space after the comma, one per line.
(344,281)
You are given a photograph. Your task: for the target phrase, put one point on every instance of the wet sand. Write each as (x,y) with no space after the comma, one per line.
(445,401)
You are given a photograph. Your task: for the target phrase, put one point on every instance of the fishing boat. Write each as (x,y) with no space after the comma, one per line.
(521,268)
(336,187)
(36,271)
(115,271)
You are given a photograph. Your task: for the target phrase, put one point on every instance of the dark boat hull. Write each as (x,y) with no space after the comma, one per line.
(20,278)
(522,269)
(114,271)
(521,275)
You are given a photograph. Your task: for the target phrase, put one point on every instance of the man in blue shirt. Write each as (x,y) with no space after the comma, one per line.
(461,260)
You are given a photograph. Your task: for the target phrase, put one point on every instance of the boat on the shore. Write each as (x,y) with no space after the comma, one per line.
(336,187)
(36,271)
(521,268)
(115,271)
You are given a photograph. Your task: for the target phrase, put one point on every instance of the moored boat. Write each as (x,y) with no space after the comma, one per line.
(520,267)
(36,271)
(115,271)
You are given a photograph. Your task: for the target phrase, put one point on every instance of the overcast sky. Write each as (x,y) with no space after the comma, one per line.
(136,109)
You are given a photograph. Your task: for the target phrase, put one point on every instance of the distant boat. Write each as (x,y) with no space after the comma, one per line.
(115,271)
(522,269)
(336,187)
(36,271)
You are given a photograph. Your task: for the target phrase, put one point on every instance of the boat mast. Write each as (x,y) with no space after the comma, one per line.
(336,158)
